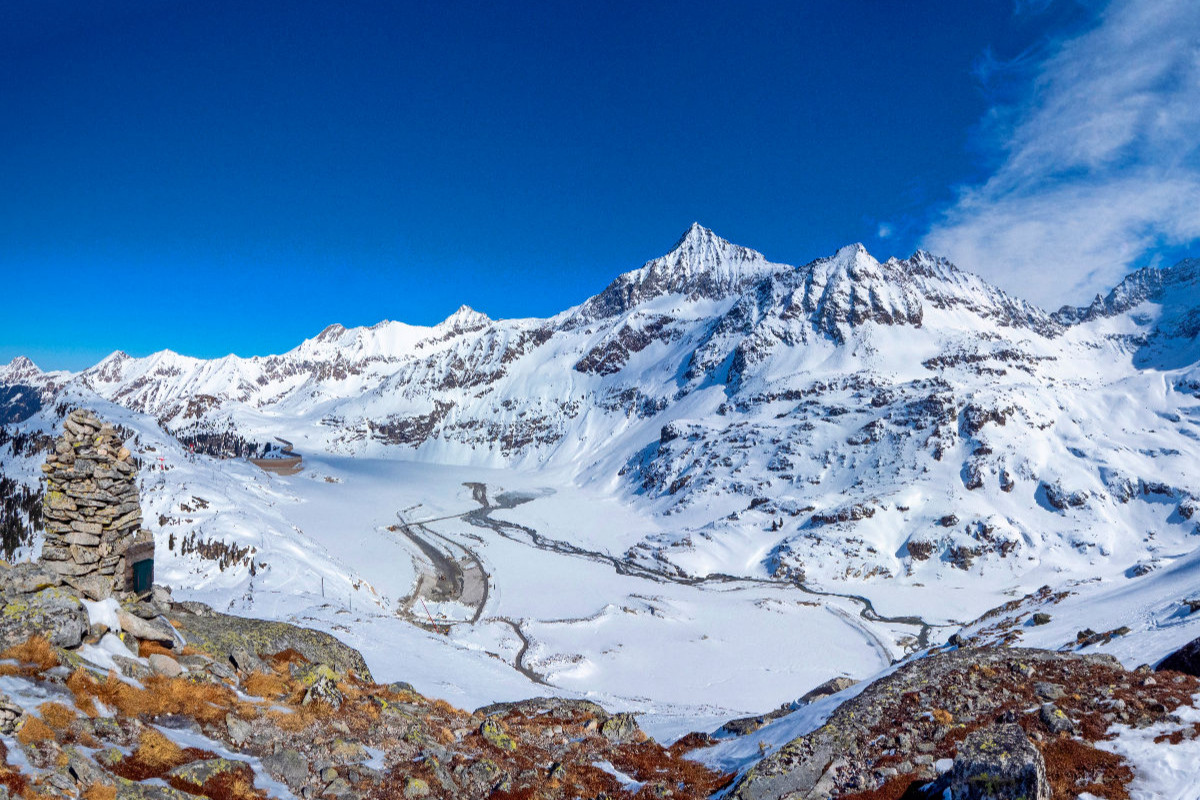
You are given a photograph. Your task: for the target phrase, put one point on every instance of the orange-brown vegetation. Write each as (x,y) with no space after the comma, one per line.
(202,701)
(237,784)
(261,684)
(98,791)
(34,731)
(1074,767)
(56,715)
(35,650)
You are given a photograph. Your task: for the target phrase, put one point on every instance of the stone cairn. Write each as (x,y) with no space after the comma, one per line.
(91,511)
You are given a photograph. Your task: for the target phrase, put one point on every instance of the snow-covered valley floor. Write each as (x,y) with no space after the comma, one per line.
(563,613)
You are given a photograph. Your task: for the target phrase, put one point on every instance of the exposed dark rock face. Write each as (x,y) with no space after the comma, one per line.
(1186,659)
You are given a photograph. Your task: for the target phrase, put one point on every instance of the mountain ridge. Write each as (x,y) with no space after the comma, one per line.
(710,378)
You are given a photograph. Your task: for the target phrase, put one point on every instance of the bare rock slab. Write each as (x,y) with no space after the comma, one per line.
(999,763)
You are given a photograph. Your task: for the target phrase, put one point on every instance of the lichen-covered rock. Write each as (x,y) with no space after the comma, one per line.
(999,763)
(214,632)
(324,689)
(495,735)
(622,728)
(288,766)
(901,721)
(54,613)
(151,630)
(196,774)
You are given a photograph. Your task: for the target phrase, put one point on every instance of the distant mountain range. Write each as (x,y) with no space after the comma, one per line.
(846,418)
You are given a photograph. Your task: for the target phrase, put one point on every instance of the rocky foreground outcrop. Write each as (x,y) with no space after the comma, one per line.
(1026,718)
(183,701)
(250,708)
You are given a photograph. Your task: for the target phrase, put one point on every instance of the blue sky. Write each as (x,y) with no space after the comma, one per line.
(233,176)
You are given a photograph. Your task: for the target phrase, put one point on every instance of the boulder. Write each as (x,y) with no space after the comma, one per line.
(1185,659)
(53,613)
(27,578)
(831,686)
(288,766)
(165,665)
(150,630)
(214,632)
(998,763)
(12,716)
(622,728)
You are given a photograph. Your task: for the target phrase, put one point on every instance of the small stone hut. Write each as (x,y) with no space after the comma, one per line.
(92,513)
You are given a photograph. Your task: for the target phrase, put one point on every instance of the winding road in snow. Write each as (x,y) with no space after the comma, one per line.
(455,573)
(481,517)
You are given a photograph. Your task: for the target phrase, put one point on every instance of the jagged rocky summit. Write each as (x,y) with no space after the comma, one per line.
(92,513)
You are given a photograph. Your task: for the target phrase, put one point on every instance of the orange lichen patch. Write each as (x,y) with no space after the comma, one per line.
(35,650)
(98,791)
(262,684)
(34,731)
(1074,767)
(56,715)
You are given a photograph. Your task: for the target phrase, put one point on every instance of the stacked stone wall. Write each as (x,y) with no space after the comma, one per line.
(91,509)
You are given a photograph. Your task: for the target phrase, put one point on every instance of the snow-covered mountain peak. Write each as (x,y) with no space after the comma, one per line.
(1176,287)
(464,319)
(331,333)
(701,265)
(19,370)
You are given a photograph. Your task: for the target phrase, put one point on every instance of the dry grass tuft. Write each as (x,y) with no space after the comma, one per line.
(148,648)
(155,756)
(35,650)
(157,752)
(285,657)
(442,707)
(646,761)
(34,731)
(57,716)
(262,684)
(300,718)
(98,791)
(207,703)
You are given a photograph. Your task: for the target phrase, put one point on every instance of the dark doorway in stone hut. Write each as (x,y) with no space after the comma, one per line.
(143,576)
(139,565)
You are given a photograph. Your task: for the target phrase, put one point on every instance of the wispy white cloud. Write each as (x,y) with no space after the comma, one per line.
(1099,163)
